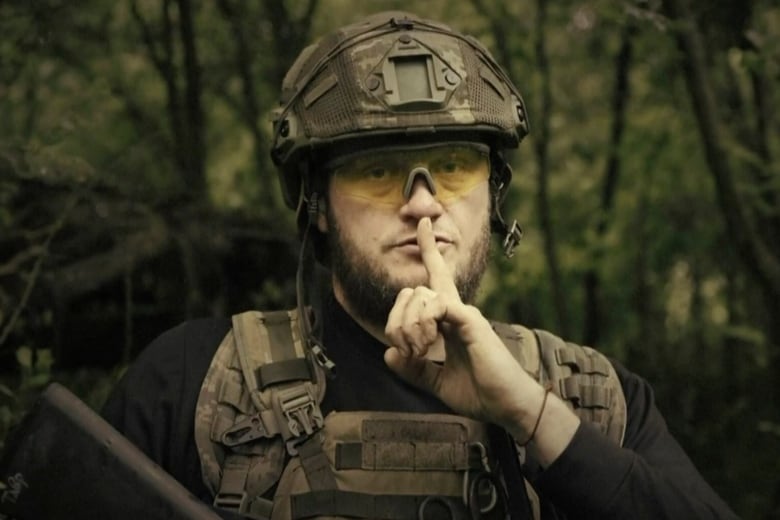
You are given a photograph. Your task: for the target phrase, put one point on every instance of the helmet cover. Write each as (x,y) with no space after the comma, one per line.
(388,79)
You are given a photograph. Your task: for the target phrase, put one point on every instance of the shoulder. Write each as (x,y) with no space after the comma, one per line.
(189,340)
(632,382)
(172,364)
(153,405)
(646,425)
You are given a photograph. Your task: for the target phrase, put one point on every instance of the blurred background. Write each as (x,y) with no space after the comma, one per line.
(136,191)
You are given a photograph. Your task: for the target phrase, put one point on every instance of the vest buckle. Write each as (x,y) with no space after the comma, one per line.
(299,412)
(246,430)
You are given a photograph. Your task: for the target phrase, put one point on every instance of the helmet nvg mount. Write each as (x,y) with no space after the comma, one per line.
(390,79)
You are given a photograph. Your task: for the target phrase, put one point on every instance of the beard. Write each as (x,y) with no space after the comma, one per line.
(369,287)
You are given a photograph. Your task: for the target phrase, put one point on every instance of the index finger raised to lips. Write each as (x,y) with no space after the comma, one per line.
(439,275)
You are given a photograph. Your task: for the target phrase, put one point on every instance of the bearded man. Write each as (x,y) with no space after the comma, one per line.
(391,395)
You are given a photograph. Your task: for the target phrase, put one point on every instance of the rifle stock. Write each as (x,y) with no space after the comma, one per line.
(64,461)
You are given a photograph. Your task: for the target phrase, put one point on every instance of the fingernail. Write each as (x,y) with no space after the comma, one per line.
(427,223)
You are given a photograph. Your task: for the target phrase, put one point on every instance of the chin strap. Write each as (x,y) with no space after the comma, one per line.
(310,335)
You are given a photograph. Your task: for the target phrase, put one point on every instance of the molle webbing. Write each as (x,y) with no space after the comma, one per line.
(585,380)
(393,465)
(581,376)
(393,444)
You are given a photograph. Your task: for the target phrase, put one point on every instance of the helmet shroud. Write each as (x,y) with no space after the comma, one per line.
(390,79)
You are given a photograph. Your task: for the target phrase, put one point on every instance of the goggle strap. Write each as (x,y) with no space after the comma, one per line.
(304,279)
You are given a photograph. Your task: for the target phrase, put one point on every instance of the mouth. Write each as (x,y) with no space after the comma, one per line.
(410,243)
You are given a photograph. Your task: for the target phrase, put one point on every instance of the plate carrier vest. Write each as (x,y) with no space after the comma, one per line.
(258,425)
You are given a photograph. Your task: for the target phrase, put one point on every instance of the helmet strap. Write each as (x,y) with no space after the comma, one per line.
(305,278)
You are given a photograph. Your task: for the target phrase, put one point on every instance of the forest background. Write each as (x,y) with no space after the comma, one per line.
(136,191)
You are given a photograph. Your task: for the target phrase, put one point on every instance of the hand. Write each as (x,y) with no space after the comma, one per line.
(479,377)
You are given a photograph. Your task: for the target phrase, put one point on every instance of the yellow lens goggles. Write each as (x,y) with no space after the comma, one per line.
(386,176)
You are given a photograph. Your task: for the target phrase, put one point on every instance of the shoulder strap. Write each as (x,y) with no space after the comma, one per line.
(581,376)
(261,389)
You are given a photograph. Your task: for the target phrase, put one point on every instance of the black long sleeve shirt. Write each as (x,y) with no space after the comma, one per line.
(649,477)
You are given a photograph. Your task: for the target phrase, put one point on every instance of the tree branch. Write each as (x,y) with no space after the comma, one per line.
(36,270)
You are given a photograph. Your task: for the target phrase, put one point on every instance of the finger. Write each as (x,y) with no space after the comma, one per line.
(395,321)
(439,276)
(420,325)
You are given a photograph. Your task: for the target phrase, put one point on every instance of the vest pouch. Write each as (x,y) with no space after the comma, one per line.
(397,466)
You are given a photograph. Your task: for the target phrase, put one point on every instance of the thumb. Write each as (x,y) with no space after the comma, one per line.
(416,371)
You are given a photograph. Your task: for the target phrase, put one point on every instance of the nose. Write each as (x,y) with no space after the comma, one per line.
(420,198)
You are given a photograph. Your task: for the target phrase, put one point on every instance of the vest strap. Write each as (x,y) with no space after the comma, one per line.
(316,465)
(282,372)
(232,494)
(352,504)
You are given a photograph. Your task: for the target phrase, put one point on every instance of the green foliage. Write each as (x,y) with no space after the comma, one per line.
(34,372)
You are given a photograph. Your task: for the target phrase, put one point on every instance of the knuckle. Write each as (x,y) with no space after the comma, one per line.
(472,311)
(389,330)
(422,291)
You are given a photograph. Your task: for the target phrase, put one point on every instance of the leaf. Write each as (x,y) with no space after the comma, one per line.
(7,391)
(24,356)
(44,361)
(38,380)
(769,427)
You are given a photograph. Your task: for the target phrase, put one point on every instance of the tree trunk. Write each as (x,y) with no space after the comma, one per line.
(290,34)
(620,94)
(749,241)
(185,113)
(194,152)
(541,142)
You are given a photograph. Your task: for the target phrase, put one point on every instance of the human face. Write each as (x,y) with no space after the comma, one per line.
(373,246)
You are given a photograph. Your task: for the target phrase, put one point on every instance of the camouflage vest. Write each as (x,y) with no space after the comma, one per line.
(260,432)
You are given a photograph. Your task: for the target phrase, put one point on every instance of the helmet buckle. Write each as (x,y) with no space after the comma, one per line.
(514,233)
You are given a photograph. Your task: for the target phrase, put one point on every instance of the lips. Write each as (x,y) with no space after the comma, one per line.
(412,241)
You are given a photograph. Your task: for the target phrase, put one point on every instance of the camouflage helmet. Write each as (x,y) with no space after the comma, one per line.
(391,78)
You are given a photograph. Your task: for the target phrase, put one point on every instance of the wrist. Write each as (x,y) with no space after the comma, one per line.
(546,426)
(532,432)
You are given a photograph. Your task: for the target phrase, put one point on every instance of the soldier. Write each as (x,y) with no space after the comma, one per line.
(388,394)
